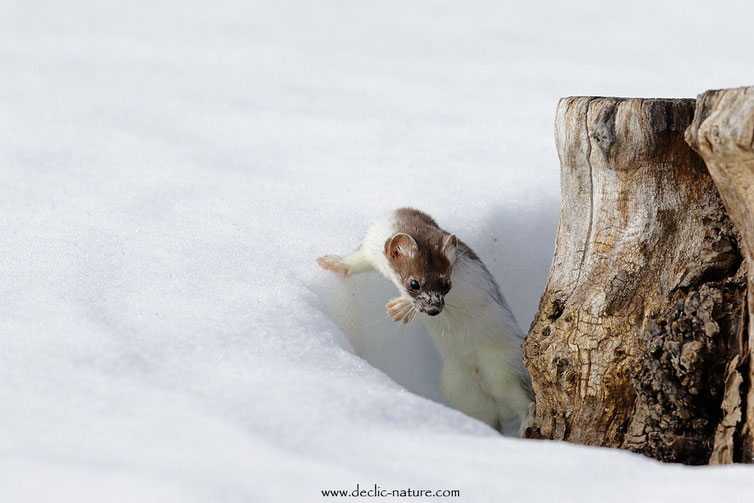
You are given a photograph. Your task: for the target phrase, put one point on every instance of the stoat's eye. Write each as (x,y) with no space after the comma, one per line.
(414,284)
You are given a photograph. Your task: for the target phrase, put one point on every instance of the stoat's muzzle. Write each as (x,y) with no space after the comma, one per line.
(431,303)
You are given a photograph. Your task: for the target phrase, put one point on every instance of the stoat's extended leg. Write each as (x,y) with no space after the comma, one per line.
(355,263)
(400,309)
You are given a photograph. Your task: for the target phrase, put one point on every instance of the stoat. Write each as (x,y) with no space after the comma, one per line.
(444,282)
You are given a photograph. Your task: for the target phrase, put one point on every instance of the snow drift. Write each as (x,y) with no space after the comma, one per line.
(170,171)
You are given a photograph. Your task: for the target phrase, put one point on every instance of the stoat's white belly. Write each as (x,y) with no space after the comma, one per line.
(480,344)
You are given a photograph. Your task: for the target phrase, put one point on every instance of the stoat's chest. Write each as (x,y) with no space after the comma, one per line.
(463,334)
(475,317)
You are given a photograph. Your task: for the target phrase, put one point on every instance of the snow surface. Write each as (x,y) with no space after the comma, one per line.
(171,169)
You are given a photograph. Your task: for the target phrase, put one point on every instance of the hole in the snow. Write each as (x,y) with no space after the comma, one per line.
(405,352)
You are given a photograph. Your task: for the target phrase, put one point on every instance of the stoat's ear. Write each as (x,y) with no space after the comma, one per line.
(450,247)
(401,244)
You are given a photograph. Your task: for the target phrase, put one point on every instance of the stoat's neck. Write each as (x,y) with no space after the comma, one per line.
(476,315)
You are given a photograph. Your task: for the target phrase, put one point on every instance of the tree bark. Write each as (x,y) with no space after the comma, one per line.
(723,133)
(641,316)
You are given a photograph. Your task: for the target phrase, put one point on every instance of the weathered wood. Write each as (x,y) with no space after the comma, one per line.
(723,134)
(634,330)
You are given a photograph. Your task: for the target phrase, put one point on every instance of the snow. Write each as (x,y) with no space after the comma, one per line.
(170,171)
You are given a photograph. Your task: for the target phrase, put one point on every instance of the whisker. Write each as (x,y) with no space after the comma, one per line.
(445,328)
(402,324)
(375,321)
(407,310)
(461,255)
(395,330)
(448,318)
(411,309)
(411,323)
(466,250)
(462,331)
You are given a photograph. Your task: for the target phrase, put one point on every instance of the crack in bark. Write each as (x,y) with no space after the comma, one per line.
(588,238)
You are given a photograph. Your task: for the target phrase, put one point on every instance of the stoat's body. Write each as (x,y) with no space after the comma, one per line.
(447,285)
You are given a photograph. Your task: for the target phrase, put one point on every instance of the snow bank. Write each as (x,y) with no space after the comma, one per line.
(170,171)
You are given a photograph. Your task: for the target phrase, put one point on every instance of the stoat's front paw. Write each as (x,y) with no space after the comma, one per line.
(400,309)
(333,263)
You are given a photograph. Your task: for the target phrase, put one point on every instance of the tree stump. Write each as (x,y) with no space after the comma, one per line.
(644,301)
(723,134)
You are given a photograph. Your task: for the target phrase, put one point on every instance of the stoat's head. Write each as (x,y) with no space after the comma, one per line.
(423,268)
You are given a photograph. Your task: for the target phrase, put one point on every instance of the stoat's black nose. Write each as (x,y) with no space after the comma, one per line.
(433,311)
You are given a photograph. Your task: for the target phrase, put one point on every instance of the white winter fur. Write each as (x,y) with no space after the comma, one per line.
(478,338)
(483,373)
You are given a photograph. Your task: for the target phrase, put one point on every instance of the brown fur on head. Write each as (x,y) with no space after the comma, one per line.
(423,263)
